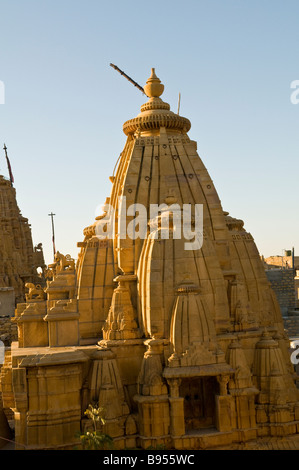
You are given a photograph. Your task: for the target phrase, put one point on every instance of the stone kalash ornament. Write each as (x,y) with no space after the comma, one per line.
(182,348)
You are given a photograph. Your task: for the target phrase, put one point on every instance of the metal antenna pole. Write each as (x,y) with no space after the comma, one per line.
(53,234)
(179,103)
(128,78)
(8,166)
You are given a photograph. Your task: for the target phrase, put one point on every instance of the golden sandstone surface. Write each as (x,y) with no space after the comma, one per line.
(184,348)
(19,260)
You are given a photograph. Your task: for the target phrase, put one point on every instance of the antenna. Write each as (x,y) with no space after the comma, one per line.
(8,165)
(53,236)
(128,78)
(179,103)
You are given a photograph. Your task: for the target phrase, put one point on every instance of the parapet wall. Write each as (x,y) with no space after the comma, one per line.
(283,284)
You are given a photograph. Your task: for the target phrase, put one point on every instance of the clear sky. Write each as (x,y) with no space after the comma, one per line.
(232,61)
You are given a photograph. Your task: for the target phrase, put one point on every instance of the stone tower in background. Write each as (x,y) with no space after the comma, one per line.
(19,259)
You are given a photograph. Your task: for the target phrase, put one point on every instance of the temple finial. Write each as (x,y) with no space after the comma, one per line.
(153,88)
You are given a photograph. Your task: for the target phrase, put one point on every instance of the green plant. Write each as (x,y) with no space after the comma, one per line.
(95,440)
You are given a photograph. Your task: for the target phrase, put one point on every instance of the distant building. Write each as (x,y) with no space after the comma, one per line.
(19,260)
(285,261)
(281,272)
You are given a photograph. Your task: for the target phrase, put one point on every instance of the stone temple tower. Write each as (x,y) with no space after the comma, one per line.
(19,260)
(182,347)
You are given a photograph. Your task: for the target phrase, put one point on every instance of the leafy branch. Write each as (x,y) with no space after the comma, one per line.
(96,440)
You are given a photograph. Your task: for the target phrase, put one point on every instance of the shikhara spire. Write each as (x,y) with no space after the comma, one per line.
(19,259)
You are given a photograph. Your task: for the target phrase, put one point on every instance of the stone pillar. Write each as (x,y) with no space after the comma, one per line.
(223,381)
(152,399)
(177,421)
(223,405)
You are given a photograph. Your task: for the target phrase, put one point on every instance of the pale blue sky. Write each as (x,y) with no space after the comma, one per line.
(232,61)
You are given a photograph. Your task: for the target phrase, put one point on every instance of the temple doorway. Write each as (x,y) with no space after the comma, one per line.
(199,402)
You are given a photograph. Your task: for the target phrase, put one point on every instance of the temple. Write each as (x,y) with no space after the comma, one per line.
(183,348)
(19,259)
